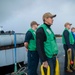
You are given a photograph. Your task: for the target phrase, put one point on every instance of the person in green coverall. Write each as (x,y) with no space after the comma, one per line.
(30,44)
(68,41)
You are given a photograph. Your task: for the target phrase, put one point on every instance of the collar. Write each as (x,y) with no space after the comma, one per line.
(47,25)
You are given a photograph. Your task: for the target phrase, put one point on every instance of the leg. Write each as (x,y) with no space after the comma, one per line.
(65,63)
(72,53)
(74,56)
(67,60)
(52,64)
(74,59)
(33,61)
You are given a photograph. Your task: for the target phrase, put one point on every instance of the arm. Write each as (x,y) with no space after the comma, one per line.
(73,35)
(28,37)
(26,45)
(40,38)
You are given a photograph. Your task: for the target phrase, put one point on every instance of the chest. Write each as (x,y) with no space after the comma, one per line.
(49,34)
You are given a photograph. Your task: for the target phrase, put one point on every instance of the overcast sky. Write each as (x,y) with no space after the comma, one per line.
(17,14)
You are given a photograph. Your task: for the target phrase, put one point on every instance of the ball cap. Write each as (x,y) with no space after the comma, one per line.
(67,23)
(47,15)
(34,23)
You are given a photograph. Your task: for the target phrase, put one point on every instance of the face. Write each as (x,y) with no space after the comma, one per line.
(73,30)
(35,26)
(68,26)
(49,21)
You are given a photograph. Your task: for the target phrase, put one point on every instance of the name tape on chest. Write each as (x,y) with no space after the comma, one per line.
(34,33)
(48,31)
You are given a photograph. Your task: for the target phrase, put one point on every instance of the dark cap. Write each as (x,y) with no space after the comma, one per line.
(47,15)
(34,23)
(67,23)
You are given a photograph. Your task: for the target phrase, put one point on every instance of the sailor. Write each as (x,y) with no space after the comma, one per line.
(73,33)
(46,43)
(30,44)
(68,41)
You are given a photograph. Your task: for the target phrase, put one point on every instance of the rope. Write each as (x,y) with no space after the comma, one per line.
(70,62)
(57,70)
(42,70)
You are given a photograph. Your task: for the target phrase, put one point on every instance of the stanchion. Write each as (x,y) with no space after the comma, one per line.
(15,57)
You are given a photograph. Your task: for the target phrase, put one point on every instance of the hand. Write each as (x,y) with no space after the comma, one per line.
(69,49)
(45,64)
(26,50)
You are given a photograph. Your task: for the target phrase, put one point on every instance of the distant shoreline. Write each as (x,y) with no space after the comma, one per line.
(58,35)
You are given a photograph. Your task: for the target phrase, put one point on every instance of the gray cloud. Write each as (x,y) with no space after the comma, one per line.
(17,14)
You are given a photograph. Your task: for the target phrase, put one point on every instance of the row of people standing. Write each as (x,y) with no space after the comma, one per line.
(68,39)
(41,44)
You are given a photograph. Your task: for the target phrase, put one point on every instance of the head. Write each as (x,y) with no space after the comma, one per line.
(68,25)
(48,18)
(73,29)
(34,25)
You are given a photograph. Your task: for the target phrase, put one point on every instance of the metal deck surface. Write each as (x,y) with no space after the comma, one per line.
(61,60)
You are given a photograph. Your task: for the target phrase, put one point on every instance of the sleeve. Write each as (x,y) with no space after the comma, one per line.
(28,36)
(73,35)
(66,36)
(40,38)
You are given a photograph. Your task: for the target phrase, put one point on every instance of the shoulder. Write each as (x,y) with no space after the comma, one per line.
(40,30)
(66,32)
(28,33)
